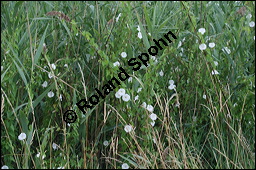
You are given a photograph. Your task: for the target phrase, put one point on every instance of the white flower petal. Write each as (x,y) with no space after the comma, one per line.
(150,108)
(126,97)
(125,166)
(105,143)
(22,136)
(123,54)
(202,47)
(211,45)
(45,84)
(215,72)
(50,94)
(171,82)
(54,146)
(116,64)
(121,91)
(5,167)
(201,30)
(252,24)
(153,116)
(161,73)
(128,128)
(53,66)
(139,35)
(171,87)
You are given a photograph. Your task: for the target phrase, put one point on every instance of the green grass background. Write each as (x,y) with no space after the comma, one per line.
(216,132)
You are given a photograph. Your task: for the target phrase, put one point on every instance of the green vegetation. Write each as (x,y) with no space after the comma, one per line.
(193,107)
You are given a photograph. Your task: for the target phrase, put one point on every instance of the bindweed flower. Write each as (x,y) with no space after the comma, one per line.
(153,116)
(201,30)
(126,97)
(54,146)
(216,63)
(22,136)
(150,108)
(125,166)
(215,72)
(249,16)
(105,143)
(252,24)
(161,73)
(136,98)
(117,18)
(144,105)
(171,82)
(66,65)
(204,96)
(226,49)
(38,155)
(211,45)
(139,89)
(171,87)
(202,47)
(116,64)
(130,79)
(5,167)
(138,28)
(149,34)
(118,95)
(139,35)
(123,54)
(152,123)
(53,66)
(45,84)
(121,91)
(128,128)
(50,94)
(179,45)
(60,97)
(50,75)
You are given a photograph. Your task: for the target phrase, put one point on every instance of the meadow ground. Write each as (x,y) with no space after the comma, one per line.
(193,106)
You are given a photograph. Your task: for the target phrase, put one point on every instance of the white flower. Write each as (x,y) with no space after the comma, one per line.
(149,34)
(201,30)
(226,49)
(5,167)
(123,54)
(45,84)
(194,118)
(118,95)
(215,72)
(152,123)
(154,140)
(171,87)
(105,143)
(252,24)
(202,47)
(61,167)
(2,67)
(171,82)
(121,91)
(76,34)
(53,66)
(117,18)
(249,16)
(126,97)
(128,128)
(50,75)
(60,97)
(138,28)
(216,63)
(50,94)
(153,116)
(66,65)
(254,37)
(136,98)
(144,104)
(130,79)
(44,45)
(68,124)
(43,156)
(139,35)
(179,45)
(153,58)
(204,96)
(116,63)
(211,45)
(54,146)
(37,155)
(125,166)
(139,89)
(161,73)
(150,108)
(22,136)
